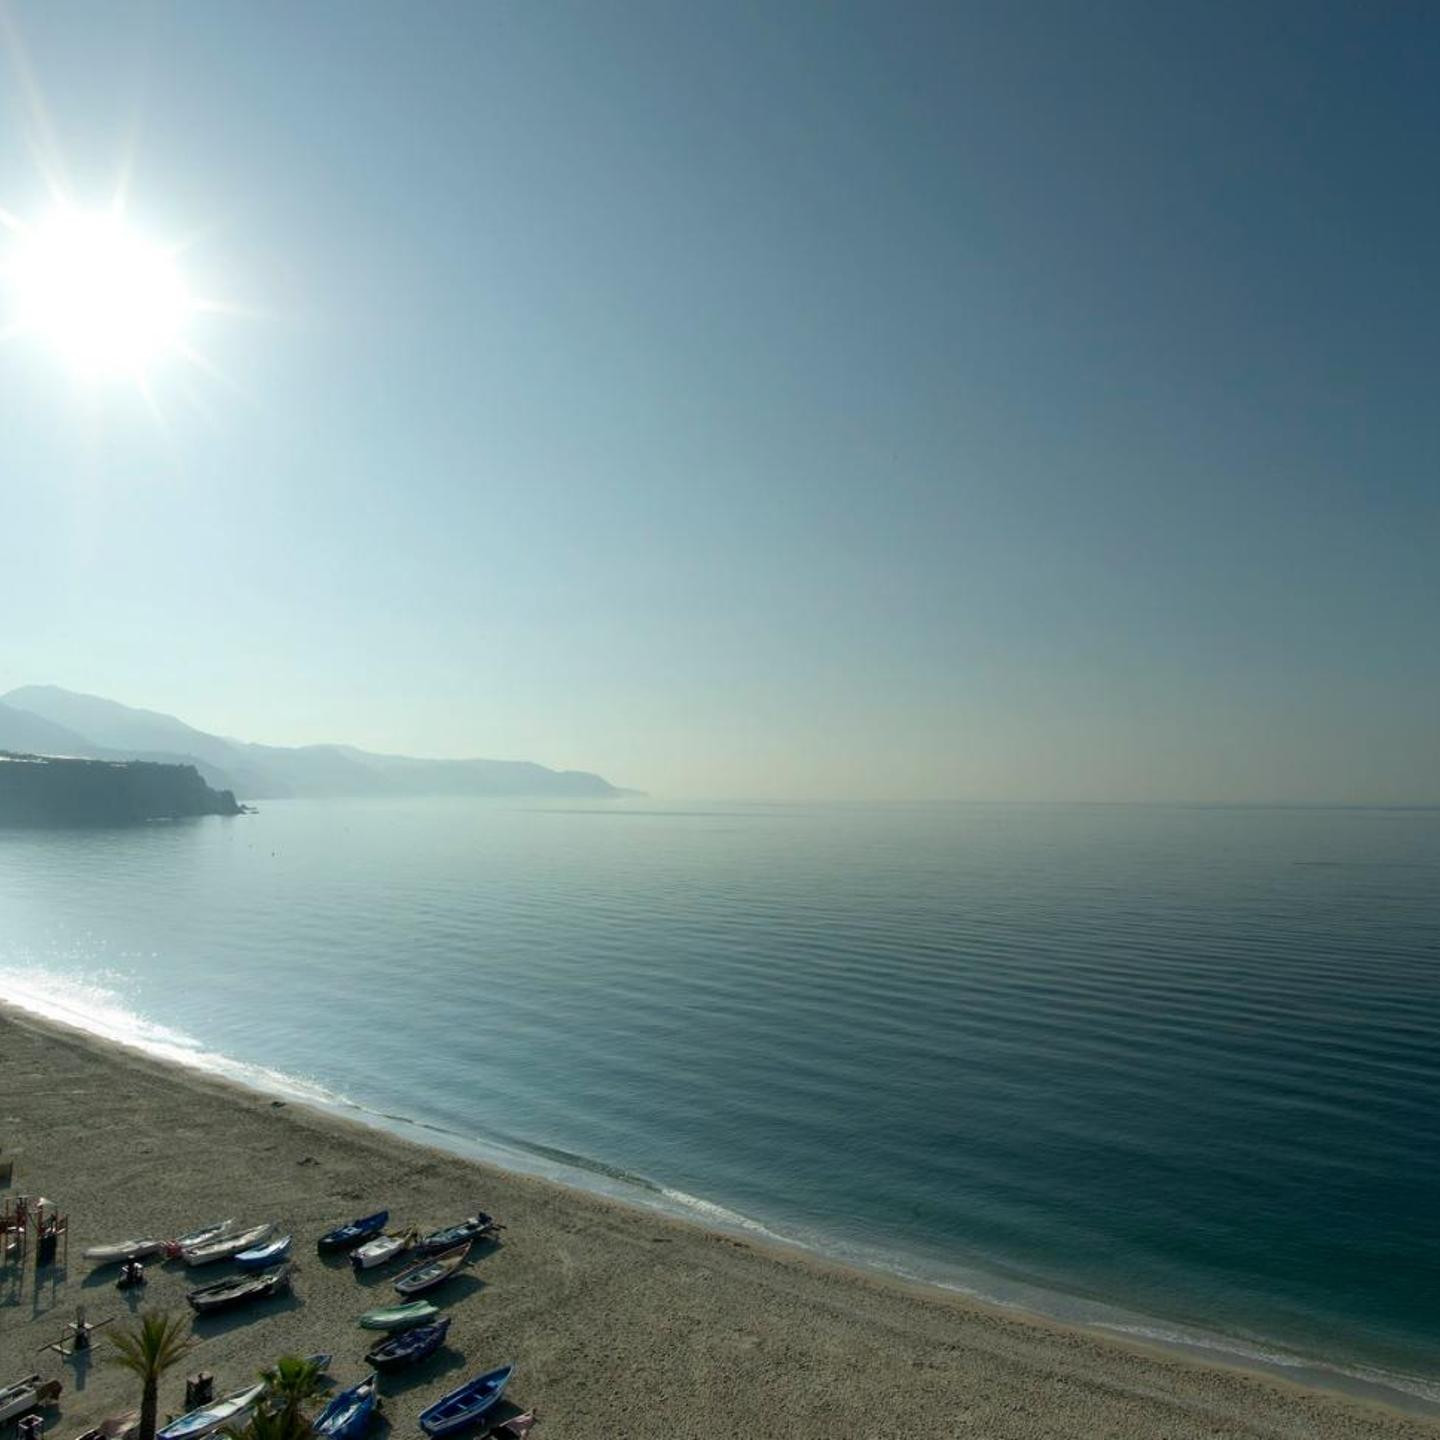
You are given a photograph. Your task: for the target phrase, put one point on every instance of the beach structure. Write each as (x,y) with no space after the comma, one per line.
(76,1338)
(14,1228)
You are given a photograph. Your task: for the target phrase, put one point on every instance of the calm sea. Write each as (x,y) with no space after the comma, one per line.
(1171,1069)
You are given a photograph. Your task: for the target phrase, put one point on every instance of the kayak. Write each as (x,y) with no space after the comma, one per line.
(467,1404)
(398,1317)
(226,1246)
(123,1250)
(263,1256)
(201,1235)
(231,1411)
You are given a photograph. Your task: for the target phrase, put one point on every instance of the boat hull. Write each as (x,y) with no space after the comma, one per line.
(409,1347)
(374,1253)
(348,1415)
(357,1232)
(232,1410)
(229,1293)
(264,1256)
(226,1248)
(477,1227)
(123,1250)
(432,1272)
(398,1317)
(467,1404)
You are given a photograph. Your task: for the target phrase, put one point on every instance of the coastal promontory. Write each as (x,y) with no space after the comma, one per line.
(51,790)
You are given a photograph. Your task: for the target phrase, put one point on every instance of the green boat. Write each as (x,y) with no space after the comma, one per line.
(398,1317)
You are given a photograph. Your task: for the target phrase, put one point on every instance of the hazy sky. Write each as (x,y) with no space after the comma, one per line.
(759,400)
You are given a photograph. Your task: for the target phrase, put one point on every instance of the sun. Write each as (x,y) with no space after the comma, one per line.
(107,301)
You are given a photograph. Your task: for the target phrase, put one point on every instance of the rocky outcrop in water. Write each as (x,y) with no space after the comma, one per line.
(47,790)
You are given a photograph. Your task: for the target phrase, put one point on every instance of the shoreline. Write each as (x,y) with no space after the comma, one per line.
(952,1342)
(1008,1295)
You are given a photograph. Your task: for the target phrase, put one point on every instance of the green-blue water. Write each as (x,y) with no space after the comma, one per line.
(1178,1061)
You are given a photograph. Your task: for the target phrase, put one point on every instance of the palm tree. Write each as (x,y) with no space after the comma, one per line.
(152,1345)
(289,1384)
(271,1425)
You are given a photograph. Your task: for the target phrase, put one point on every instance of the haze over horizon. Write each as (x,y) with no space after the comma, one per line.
(809,402)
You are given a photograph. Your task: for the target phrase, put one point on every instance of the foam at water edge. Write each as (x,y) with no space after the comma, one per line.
(714,1214)
(97,1010)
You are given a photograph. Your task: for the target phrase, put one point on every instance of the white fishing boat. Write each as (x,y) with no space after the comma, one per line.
(226,1245)
(123,1250)
(231,1411)
(201,1235)
(377,1252)
(24,1395)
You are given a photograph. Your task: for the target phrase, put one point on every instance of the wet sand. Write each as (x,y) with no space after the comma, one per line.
(622,1323)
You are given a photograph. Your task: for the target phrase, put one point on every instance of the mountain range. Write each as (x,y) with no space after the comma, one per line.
(46,720)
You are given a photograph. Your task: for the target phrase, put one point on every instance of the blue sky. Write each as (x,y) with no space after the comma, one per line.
(1004,401)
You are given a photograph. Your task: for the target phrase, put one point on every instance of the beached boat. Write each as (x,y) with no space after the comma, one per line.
(476,1227)
(204,1234)
(24,1395)
(262,1257)
(377,1252)
(239,1290)
(398,1317)
(226,1246)
(123,1250)
(231,1411)
(355,1232)
(200,1235)
(467,1404)
(348,1415)
(114,1427)
(410,1346)
(429,1273)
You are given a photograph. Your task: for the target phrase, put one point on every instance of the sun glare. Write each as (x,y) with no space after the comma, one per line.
(107,301)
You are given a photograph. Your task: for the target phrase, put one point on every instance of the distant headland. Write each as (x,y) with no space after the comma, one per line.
(46,790)
(46,720)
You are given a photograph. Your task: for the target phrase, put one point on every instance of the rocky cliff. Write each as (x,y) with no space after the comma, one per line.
(46,790)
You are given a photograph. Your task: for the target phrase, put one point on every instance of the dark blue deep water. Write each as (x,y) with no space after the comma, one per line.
(1184,1062)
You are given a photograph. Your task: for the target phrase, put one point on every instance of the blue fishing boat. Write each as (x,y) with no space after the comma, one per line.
(466,1405)
(263,1256)
(348,1415)
(345,1237)
(409,1347)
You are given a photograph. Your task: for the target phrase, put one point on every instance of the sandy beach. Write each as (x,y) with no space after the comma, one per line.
(622,1323)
